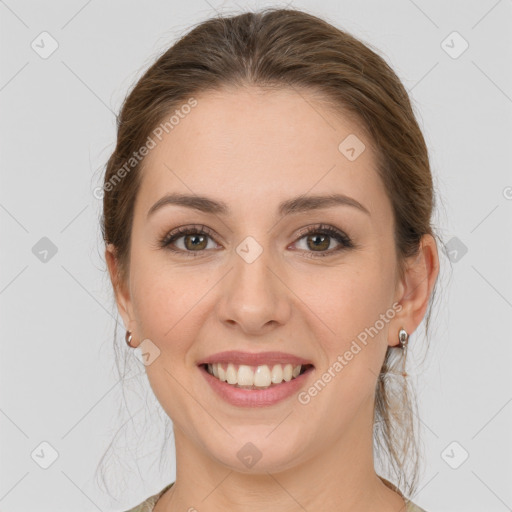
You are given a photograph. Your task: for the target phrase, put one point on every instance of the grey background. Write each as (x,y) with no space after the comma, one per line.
(58,381)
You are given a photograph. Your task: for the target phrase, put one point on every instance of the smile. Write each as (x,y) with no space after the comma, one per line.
(255,377)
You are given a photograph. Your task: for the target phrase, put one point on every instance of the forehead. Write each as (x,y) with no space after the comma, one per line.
(254,147)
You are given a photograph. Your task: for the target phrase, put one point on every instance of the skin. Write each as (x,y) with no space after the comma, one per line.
(253,149)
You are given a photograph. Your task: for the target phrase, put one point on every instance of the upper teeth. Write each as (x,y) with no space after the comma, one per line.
(260,376)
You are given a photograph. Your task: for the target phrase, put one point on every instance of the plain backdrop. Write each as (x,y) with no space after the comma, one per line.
(65,68)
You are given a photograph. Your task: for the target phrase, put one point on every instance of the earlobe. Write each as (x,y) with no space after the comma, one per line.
(416,287)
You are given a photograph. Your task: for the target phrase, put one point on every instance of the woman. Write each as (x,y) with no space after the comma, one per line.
(267,219)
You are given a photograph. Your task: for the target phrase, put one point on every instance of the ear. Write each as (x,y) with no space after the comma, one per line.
(414,289)
(121,290)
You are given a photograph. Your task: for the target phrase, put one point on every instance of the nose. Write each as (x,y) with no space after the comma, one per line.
(254,297)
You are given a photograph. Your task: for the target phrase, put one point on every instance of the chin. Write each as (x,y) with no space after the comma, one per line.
(259,450)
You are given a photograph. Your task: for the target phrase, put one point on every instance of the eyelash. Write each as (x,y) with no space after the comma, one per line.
(322,229)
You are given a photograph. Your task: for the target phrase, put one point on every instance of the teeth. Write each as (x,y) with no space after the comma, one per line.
(231,374)
(262,376)
(249,377)
(221,372)
(277,374)
(245,376)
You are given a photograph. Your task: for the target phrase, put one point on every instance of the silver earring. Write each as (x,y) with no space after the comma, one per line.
(128,339)
(403,337)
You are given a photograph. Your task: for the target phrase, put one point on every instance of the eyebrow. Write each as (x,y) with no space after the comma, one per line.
(291,206)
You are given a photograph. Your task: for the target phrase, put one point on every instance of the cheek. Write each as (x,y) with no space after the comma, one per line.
(167,303)
(352,302)
(168,309)
(156,303)
(351,297)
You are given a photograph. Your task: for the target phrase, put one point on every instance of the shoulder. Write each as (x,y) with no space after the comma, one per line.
(411,507)
(149,503)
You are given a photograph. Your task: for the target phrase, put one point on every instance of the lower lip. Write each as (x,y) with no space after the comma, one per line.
(255,397)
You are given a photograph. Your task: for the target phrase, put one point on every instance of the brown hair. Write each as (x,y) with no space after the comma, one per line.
(280,48)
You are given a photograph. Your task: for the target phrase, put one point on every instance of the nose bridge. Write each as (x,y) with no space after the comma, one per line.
(253,296)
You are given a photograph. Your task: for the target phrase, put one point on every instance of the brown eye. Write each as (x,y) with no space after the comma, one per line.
(318,240)
(195,240)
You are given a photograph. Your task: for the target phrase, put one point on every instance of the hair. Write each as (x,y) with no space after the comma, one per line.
(278,49)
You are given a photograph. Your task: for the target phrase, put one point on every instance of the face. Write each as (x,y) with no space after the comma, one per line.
(301,280)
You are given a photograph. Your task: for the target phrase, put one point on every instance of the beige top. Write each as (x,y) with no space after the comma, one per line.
(149,504)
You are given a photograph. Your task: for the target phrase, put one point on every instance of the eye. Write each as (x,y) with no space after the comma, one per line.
(195,240)
(320,237)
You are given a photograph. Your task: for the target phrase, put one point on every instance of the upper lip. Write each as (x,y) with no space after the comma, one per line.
(253,358)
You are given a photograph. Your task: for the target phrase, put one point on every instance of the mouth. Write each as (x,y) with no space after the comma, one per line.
(258,377)
(255,379)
